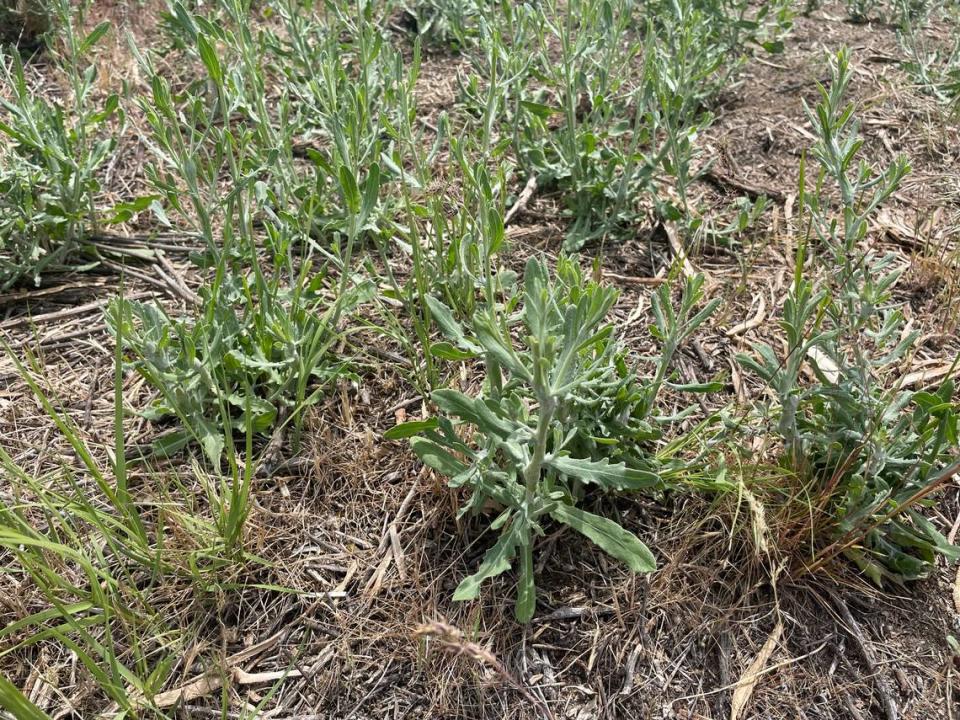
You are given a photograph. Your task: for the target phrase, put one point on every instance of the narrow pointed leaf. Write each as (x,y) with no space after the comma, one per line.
(526,588)
(409,429)
(209,57)
(496,561)
(472,410)
(16,703)
(449,326)
(500,350)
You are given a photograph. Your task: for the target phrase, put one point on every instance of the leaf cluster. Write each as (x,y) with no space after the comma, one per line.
(49,169)
(246,361)
(870,448)
(561,412)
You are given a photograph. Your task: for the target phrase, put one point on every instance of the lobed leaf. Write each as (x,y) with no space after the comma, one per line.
(604,473)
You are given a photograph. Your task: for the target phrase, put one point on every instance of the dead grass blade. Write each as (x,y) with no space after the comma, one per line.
(748,681)
(523,200)
(924,378)
(678,250)
(206,684)
(754,322)
(211,681)
(956,592)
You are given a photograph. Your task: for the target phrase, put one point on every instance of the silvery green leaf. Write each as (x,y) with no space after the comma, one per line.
(349,189)
(437,458)
(702,316)
(940,543)
(770,366)
(212,440)
(534,286)
(708,387)
(526,588)
(496,561)
(500,349)
(501,520)
(518,452)
(473,410)
(411,428)
(371,192)
(604,473)
(447,351)
(609,536)
(449,326)
(502,487)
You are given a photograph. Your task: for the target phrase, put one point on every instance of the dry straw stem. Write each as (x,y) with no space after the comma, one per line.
(752,675)
(748,681)
(751,323)
(523,200)
(212,681)
(856,634)
(207,684)
(956,592)
(676,246)
(925,378)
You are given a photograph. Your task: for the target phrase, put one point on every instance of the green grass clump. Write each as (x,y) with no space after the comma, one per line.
(104,556)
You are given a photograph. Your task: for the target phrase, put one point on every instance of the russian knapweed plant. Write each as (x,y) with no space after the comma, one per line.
(868,451)
(50,159)
(560,412)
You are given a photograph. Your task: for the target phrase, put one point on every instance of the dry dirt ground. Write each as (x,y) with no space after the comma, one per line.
(369,539)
